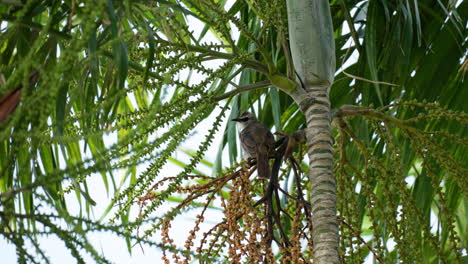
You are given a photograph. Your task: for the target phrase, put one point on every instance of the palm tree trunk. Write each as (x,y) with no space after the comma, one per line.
(313,54)
(323,186)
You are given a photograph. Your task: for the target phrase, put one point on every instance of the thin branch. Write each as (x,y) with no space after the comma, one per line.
(287,55)
(358,236)
(367,80)
(252,64)
(350,110)
(298,200)
(277,219)
(350,22)
(34,25)
(234,84)
(243,88)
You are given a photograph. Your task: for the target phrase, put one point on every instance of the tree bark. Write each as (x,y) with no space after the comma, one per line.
(313,53)
(316,109)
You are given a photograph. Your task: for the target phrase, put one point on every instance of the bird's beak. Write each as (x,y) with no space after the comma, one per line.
(236,119)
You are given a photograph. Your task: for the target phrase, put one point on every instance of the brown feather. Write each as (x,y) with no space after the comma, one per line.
(262,162)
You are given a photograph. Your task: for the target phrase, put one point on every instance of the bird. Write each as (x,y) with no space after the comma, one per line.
(257,142)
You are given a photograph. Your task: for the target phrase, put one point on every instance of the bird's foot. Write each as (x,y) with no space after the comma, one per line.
(251,161)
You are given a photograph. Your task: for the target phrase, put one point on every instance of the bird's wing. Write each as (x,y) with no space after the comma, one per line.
(248,141)
(267,138)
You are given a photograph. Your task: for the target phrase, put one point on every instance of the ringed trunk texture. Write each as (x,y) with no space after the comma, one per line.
(313,53)
(323,186)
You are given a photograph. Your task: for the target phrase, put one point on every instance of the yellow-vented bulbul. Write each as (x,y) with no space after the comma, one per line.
(256,141)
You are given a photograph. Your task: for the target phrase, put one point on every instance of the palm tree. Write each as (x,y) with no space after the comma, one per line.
(387,170)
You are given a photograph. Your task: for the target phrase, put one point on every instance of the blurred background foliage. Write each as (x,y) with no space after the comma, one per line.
(95,89)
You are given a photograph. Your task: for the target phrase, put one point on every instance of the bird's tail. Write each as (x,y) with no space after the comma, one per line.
(263,168)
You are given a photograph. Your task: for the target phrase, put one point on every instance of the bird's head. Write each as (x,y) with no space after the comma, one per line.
(245,117)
